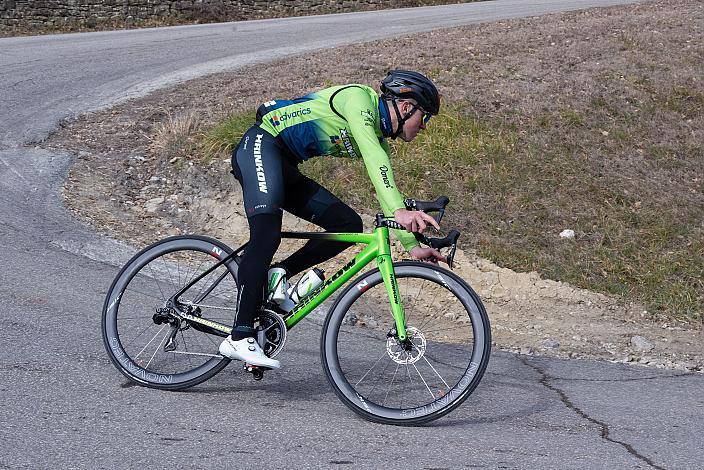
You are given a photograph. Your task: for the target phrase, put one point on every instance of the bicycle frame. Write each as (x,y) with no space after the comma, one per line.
(378,248)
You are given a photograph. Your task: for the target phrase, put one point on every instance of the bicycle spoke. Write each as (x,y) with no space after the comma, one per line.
(449,328)
(141,318)
(196,272)
(410,380)
(391,384)
(374,365)
(156,350)
(163,297)
(149,296)
(150,341)
(436,372)
(415,299)
(381,375)
(185,347)
(195,354)
(171,280)
(424,382)
(203,283)
(178,272)
(214,343)
(136,337)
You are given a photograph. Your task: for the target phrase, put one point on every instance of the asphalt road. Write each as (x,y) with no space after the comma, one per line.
(64,404)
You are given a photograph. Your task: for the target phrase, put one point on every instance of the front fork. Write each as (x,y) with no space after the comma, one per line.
(386,267)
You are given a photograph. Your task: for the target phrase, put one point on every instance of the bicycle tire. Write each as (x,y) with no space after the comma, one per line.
(353,330)
(142,286)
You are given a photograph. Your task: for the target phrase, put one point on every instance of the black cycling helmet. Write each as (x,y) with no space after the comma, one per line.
(404,84)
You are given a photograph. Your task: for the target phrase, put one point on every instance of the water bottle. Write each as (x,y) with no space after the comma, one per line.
(277,285)
(306,285)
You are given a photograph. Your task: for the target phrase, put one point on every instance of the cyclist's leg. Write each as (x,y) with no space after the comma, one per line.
(265,236)
(257,166)
(310,201)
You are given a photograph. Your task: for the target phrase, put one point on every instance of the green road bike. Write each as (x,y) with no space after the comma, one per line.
(404,343)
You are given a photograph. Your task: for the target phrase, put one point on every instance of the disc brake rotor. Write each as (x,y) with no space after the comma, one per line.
(398,352)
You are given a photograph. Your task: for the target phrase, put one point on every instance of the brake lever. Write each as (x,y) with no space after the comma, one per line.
(451,256)
(450,241)
(441,212)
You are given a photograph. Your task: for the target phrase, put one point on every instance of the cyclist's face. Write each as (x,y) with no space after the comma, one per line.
(415,123)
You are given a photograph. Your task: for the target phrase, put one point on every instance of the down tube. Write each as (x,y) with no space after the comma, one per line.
(332,284)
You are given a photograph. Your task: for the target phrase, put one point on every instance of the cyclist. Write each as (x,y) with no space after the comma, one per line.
(347,121)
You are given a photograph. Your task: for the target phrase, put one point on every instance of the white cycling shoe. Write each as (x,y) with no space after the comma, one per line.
(247,350)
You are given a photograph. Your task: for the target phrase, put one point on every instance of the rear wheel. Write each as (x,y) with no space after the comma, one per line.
(144,335)
(420,380)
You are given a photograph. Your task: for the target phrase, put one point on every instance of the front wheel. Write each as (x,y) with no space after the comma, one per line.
(411,383)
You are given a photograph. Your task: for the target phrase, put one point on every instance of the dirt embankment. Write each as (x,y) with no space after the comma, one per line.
(124,188)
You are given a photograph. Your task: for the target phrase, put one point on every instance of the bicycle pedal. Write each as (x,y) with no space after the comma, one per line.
(256,371)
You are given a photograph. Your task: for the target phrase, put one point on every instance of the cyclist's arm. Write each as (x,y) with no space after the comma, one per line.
(376,159)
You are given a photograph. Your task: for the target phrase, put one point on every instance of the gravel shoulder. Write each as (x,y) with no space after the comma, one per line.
(124,186)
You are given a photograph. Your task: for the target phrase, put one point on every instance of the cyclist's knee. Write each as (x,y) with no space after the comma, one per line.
(355,223)
(341,218)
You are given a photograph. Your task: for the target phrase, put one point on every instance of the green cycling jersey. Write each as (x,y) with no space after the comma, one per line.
(342,121)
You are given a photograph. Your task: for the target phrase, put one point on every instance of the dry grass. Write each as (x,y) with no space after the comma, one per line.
(178,135)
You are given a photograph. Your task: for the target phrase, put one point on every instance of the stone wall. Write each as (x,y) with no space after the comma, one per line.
(92,13)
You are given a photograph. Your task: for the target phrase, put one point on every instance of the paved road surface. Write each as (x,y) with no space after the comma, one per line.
(63,403)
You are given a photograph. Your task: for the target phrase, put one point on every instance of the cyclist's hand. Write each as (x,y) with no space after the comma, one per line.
(427,254)
(414,221)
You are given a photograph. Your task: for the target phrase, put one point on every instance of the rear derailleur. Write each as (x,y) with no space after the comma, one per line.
(169,315)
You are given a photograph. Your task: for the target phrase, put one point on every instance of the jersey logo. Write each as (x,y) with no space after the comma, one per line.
(269,104)
(276,120)
(368,117)
(261,177)
(348,143)
(384,170)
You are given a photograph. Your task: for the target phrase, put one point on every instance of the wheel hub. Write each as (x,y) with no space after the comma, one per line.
(400,353)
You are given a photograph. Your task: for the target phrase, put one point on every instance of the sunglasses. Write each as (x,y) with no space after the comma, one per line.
(426,115)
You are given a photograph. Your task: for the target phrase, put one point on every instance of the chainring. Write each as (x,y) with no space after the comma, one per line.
(271,332)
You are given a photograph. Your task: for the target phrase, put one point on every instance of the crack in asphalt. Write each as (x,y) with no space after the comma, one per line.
(605,431)
(634,379)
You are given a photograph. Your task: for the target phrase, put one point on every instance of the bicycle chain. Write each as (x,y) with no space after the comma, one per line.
(191,304)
